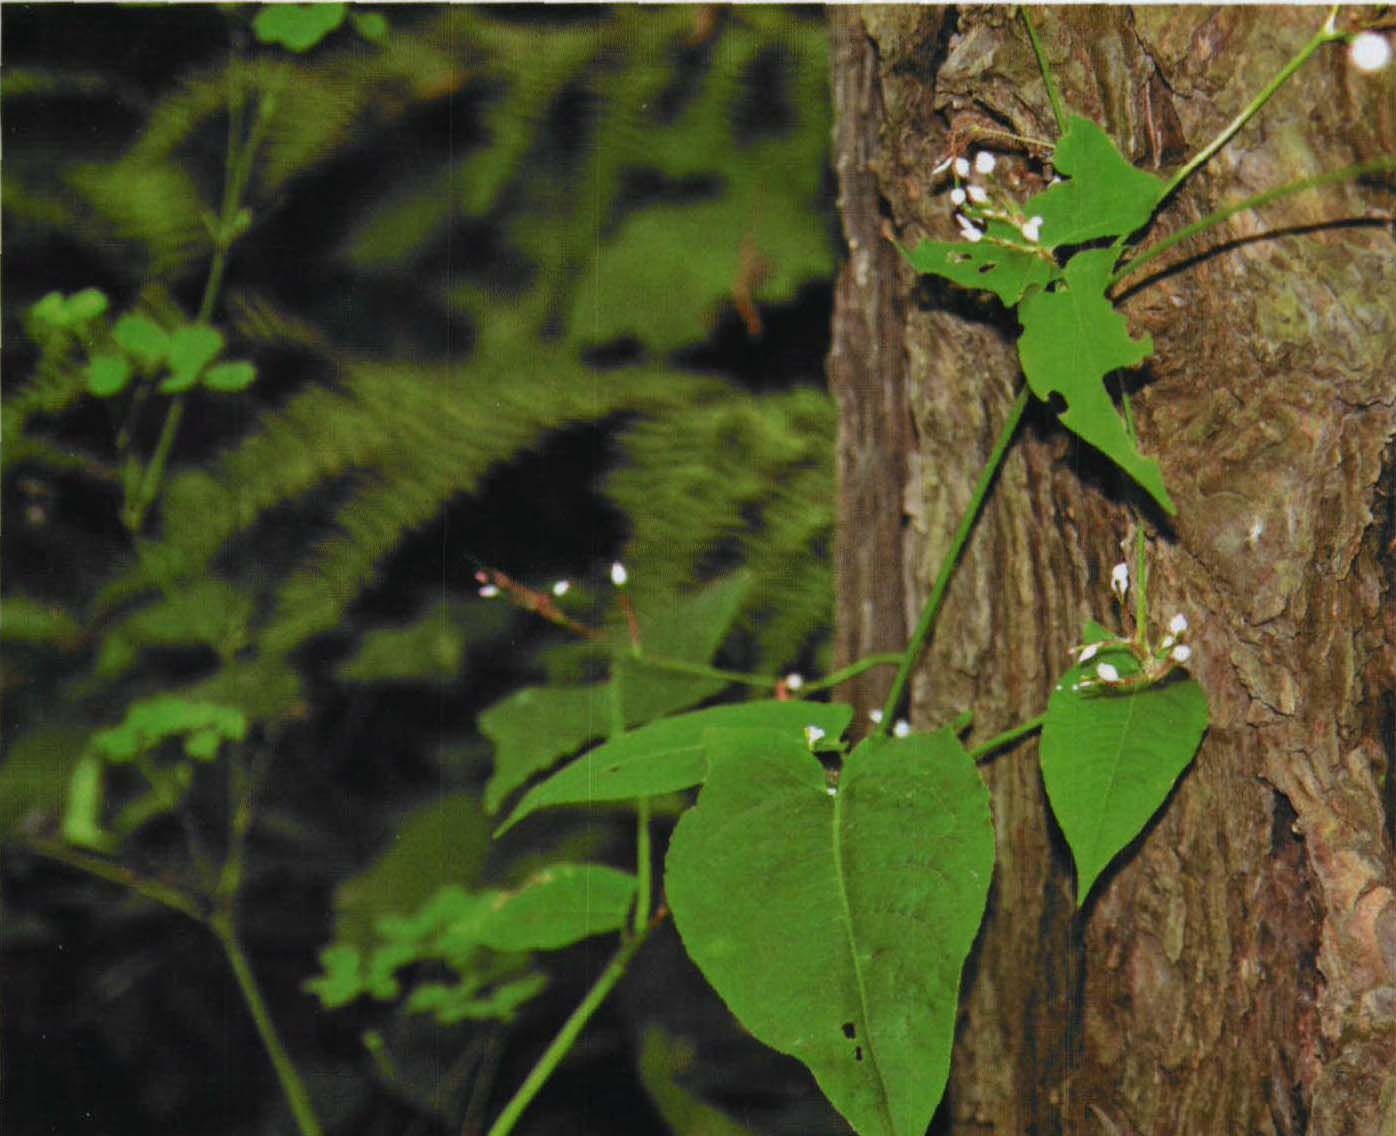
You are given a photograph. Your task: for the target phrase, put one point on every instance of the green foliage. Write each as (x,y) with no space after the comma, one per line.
(1072,336)
(1110,759)
(297,27)
(663,1060)
(149,724)
(537,726)
(1101,195)
(848,953)
(1072,339)
(669,755)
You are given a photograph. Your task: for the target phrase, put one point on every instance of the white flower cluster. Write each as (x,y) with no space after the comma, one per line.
(976,203)
(1156,661)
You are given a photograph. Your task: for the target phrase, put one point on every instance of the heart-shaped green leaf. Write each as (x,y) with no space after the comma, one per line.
(988,264)
(227,377)
(107,375)
(143,339)
(669,755)
(835,923)
(1104,197)
(297,27)
(192,348)
(1072,338)
(1109,760)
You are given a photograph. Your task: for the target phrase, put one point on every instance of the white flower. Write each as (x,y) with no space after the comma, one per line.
(1168,641)
(1032,230)
(1182,653)
(968,229)
(1119,579)
(875,716)
(957,195)
(902,729)
(618,574)
(794,680)
(488,592)
(978,195)
(1368,51)
(1178,624)
(961,167)
(1087,653)
(562,587)
(832,791)
(983,162)
(813,736)
(1106,673)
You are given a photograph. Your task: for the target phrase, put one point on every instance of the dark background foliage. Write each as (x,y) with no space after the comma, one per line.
(525,288)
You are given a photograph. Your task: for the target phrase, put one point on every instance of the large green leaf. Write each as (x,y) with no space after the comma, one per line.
(835,923)
(1109,760)
(1072,338)
(669,755)
(988,265)
(1104,195)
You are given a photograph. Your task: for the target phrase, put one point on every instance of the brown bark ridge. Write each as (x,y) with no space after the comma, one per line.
(1236,970)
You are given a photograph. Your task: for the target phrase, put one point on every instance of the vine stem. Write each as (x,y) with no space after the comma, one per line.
(1007,738)
(947,569)
(1326,34)
(292,1086)
(1053,95)
(1258,201)
(572,1028)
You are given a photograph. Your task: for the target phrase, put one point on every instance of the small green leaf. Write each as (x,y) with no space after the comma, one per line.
(85,306)
(670,755)
(192,348)
(558,906)
(1104,195)
(664,1061)
(459,1003)
(143,339)
(149,723)
(82,820)
(342,981)
(202,745)
(835,923)
(1109,760)
(107,375)
(233,376)
(297,27)
(51,311)
(372,26)
(987,264)
(1072,339)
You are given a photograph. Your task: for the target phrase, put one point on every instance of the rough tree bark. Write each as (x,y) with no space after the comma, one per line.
(1236,973)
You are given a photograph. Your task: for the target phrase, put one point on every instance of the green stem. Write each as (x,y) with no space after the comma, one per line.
(238,172)
(117,874)
(644,881)
(296,1096)
(701,670)
(1007,738)
(947,569)
(1058,109)
(1325,34)
(1319,181)
(853,670)
(572,1029)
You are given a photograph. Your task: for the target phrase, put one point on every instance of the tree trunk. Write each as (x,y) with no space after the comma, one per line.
(1235,972)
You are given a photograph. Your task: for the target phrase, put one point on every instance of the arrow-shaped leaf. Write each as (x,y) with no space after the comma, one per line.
(835,923)
(1072,338)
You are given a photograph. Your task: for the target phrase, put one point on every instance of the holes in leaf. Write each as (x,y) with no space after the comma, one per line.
(850,1031)
(857,1053)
